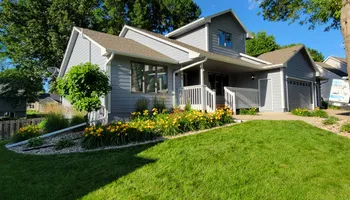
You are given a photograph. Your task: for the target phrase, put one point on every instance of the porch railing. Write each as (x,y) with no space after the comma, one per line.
(199,97)
(239,98)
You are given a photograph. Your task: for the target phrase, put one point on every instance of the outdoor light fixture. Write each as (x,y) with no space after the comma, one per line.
(253,77)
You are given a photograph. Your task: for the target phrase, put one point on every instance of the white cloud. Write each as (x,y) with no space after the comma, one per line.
(253,4)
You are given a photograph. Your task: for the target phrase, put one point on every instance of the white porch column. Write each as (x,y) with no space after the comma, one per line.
(203,96)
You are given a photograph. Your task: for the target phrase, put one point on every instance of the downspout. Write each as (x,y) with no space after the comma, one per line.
(105,114)
(182,69)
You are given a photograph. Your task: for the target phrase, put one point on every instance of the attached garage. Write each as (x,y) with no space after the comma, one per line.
(299,94)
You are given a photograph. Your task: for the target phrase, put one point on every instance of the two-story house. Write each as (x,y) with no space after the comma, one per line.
(203,63)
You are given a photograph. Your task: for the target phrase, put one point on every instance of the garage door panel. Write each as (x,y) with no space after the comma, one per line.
(299,94)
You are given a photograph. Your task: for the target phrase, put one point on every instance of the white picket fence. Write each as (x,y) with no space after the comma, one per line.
(8,128)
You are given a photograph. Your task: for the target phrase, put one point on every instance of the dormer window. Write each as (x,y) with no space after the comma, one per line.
(225,39)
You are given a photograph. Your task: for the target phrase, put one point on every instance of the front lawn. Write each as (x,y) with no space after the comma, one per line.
(253,160)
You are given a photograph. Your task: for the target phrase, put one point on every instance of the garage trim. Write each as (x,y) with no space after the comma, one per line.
(312,89)
(271,92)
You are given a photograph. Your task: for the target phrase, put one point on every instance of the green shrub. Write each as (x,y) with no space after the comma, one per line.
(333,107)
(159,103)
(319,113)
(54,122)
(141,105)
(77,119)
(188,106)
(26,133)
(345,128)
(250,111)
(35,142)
(63,143)
(330,121)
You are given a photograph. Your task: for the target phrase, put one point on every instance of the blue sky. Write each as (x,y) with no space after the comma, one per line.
(329,43)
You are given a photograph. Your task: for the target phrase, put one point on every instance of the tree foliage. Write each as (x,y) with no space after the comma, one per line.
(310,12)
(35,33)
(20,86)
(316,55)
(83,86)
(261,43)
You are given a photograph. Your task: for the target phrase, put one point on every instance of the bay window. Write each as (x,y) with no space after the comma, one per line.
(148,78)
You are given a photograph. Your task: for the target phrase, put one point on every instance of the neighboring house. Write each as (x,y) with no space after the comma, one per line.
(44,99)
(6,109)
(203,63)
(332,68)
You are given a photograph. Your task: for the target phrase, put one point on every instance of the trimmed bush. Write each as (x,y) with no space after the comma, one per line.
(26,133)
(145,127)
(53,122)
(141,105)
(330,121)
(35,142)
(345,128)
(63,143)
(250,111)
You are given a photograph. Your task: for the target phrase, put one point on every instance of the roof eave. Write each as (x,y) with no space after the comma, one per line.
(188,27)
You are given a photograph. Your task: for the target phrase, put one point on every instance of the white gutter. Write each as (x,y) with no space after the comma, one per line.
(255,59)
(274,66)
(182,69)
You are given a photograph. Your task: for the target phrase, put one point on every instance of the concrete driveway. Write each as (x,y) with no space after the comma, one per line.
(343,115)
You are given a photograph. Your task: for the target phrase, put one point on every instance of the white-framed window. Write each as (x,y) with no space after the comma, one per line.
(225,39)
(149,78)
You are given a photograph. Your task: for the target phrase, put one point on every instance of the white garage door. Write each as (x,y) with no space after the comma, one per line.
(299,94)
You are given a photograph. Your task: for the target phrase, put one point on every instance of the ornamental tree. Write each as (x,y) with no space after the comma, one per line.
(261,43)
(83,86)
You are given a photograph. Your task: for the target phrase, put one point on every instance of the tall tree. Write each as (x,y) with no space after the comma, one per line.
(316,55)
(35,32)
(261,43)
(20,86)
(333,14)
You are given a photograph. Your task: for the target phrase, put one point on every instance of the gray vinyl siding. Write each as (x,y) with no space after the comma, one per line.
(300,67)
(244,80)
(228,24)
(20,111)
(170,51)
(122,99)
(84,51)
(196,38)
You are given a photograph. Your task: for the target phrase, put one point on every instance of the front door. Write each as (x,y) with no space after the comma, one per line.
(217,82)
(265,95)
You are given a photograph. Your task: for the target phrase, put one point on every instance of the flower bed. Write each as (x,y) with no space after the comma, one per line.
(147,126)
(307,113)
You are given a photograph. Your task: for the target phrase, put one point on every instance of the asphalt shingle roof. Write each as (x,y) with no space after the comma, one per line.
(125,45)
(280,56)
(332,69)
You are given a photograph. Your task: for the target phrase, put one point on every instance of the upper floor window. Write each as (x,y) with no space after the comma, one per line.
(225,39)
(148,78)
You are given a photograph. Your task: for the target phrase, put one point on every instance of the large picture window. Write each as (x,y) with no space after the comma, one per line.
(148,78)
(225,39)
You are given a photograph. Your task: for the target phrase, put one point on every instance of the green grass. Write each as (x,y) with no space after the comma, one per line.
(253,160)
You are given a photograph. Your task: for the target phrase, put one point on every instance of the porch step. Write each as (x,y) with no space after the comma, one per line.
(220,106)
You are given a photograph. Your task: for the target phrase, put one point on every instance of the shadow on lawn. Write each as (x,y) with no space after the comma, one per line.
(68,176)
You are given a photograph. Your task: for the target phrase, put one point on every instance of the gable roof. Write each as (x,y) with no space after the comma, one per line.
(332,69)
(54,97)
(204,20)
(201,52)
(281,55)
(124,46)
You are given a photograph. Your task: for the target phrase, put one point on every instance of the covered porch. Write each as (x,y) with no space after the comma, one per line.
(214,84)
